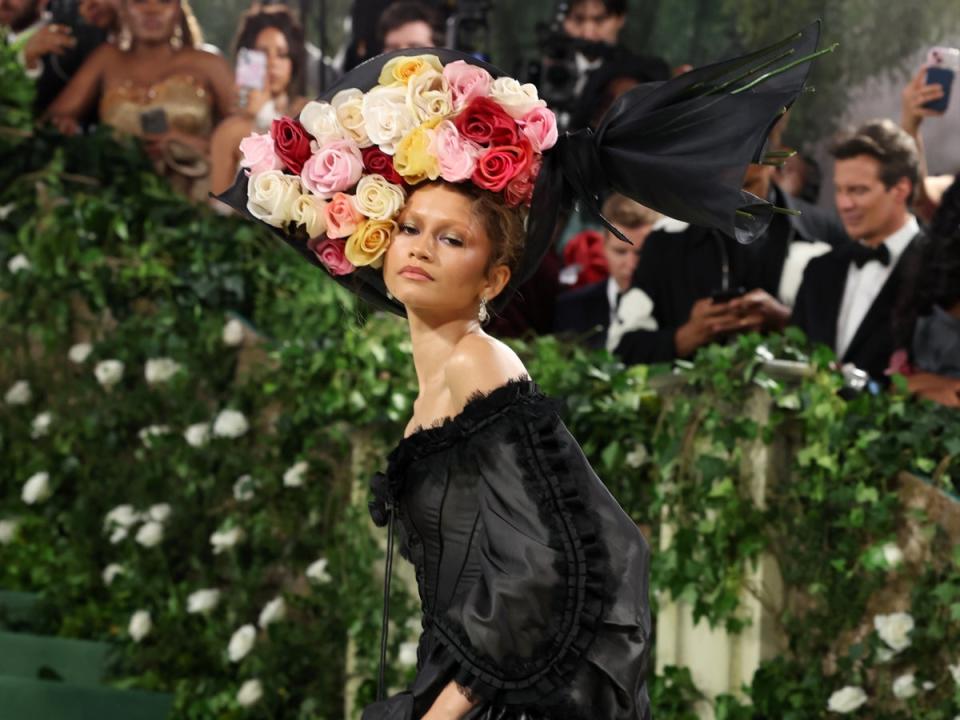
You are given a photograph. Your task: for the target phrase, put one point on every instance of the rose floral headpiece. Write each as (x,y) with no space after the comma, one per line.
(332,182)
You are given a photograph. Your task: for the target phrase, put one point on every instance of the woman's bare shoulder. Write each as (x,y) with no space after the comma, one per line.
(480,363)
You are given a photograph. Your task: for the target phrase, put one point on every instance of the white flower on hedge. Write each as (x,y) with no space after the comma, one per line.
(955,672)
(108,372)
(160,370)
(230,424)
(19,393)
(150,432)
(846,700)
(892,554)
(928,686)
(407,656)
(318,571)
(110,573)
(18,263)
(293,477)
(79,353)
(140,625)
(637,457)
(119,535)
(159,512)
(241,643)
(37,488)
(905,686)
(197,435)
(122,516)
(250,693)
(272,612)
(203,601)
(894,629)
(223,540)
(233,333)
(885,654)
(40,426)
(243,488)
(8,531)
(150,535)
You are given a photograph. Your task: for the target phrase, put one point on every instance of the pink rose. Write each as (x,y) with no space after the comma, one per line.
(258,154)
(540,127)
(466,83)
(456,155)
(342,216)
(330,252)
(335,167)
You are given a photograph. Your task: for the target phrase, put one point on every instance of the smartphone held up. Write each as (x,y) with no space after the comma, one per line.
(943,63)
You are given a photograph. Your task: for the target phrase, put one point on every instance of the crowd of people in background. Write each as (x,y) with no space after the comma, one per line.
(875,275)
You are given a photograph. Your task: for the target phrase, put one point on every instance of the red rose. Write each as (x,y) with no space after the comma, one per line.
(519,191)
(291,142)
(486,123)
(499,165)
(377,161)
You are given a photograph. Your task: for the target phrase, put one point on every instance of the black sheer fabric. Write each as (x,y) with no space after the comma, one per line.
(532,579)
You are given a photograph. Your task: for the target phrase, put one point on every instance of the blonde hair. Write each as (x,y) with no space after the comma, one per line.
(622,211)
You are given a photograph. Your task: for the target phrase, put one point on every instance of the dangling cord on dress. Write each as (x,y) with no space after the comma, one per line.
(387,572)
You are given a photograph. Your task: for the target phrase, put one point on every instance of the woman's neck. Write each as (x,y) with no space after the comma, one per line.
(154,52)
(433,343)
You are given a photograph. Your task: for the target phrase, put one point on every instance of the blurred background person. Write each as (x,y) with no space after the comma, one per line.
(409,24)
(277,85)
(155,84)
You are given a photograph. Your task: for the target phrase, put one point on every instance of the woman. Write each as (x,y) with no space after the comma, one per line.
(410,185)
(158,86)
(274,31)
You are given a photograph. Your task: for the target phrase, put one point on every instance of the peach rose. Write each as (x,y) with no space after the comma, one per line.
(330,253)
(342,216)
(370,241)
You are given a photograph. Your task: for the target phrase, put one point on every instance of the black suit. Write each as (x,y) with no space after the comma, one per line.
(585,312)
(817,309)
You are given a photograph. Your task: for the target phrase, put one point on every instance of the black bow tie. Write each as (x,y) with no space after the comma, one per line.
(861,254)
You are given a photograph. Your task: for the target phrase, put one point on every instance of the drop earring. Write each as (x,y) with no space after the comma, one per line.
(176,40)
(482,314)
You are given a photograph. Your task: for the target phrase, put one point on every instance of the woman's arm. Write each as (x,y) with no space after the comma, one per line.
(83,90)
(452,703)
(220,76)
(224,151)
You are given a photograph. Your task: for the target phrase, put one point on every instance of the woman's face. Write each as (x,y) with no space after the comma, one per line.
(273,43)
(153,21)
(437,260)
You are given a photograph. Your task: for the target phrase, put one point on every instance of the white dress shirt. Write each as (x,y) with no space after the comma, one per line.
(865,283)
(613,291)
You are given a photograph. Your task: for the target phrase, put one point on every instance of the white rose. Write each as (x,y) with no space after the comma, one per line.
(273,611)
(349,106)
(250,693)
(241,643)
(8,530)
(150,535)
(150,432)
(955,672)
(203,601)
(386,117)
(515,98)
(846,700)
(233,333)
(892,554)
(318,571)
(271,195)
(19,393)
(18,263)
(79,353)
(197,435)
(320,120)
(160,370)
(40,427)
(428,95)
(110,573)
(894,629)
(637,457)
(140,625)
(243,488)
(119,535)
(378,198)
(223,540)
(108,372)
(905,686)
(122,515)
(230,424)
(37,488)
(159,512)
(293,477)
(308,211)
(407,656)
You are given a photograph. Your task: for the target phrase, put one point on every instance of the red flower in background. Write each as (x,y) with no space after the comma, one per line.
(486,123)
(291,142)
(377,161)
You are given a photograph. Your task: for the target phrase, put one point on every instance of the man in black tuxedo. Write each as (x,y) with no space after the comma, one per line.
(848,296)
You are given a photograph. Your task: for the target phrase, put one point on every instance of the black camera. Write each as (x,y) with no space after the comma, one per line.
(468,28)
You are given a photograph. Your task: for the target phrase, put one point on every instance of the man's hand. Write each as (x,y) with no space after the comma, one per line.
(773,314)
(914,96)
(48,40)
(707,320)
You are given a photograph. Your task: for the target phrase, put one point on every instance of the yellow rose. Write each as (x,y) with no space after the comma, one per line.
(413,159)
(378,198)
(369,242)
(401,69)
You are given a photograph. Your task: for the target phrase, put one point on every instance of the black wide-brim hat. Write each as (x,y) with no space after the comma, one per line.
(680,147)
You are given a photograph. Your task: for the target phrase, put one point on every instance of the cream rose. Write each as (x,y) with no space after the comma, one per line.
(846,700)
(308,211)
(515,98)
(386,117)
(349,106)
(320,120)
(370,241)
(271,196)
(894,629)
(428,96)
(378,198)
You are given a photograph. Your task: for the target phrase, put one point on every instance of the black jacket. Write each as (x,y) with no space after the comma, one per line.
(584,312)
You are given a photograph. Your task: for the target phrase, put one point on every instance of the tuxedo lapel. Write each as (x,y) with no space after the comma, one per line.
(830,289)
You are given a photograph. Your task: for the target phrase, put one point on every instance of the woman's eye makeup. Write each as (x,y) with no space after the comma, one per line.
(451,240)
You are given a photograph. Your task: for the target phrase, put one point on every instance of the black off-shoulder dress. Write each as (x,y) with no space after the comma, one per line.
(532,579)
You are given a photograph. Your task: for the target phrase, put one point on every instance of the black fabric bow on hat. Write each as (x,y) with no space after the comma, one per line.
(861,254)
(680,147)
